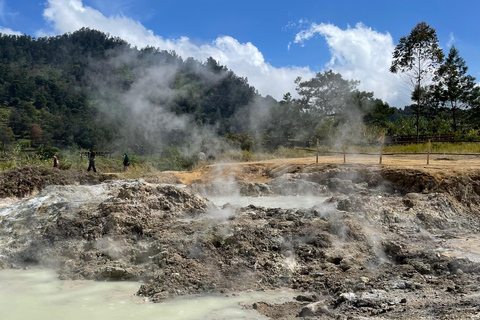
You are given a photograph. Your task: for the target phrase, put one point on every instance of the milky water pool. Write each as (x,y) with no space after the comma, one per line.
(284,202)
(38,294)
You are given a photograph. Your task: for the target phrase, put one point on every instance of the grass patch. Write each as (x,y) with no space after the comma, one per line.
(139,170)
(296,153)
(246,156)
(436,147)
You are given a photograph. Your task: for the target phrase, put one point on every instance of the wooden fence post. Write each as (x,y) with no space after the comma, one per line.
(428,152)
(381,147)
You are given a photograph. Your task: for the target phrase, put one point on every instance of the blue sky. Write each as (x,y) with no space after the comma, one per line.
(269,42)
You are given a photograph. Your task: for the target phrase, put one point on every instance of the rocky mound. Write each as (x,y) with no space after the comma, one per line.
(26,180)
(93,231)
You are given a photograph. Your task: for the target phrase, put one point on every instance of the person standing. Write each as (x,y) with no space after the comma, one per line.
(91,161)
(55,162)
(126,162)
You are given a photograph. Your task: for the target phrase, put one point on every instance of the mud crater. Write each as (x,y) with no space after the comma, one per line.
(387,243)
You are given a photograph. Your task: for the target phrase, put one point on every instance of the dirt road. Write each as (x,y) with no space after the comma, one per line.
(258,171)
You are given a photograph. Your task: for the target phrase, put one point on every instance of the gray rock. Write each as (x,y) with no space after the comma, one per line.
(309,298)
(342,186)
(359,286)
(459,266)
(373,299)
(414,196)
(255,189)
(313,308)
(348,296)
(292,187)
(401,284)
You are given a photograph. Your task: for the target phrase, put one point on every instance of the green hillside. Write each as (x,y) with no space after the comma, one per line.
(90,90)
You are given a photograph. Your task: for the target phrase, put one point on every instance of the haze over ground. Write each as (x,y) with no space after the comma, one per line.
(270,43)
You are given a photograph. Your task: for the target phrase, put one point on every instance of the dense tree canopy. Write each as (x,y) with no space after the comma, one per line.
(454,88)
(79,89)
(326,94)
(327,106)
(89,90)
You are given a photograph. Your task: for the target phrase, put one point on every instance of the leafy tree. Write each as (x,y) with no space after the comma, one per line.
(418,56)
(19,121)
(379,113)
(36,135)
(328,94)
(453,87)
(442,123)
(326,131)
(404,126)
(287,120)
(46,152)
(474,114)
(245,140)
(6,137)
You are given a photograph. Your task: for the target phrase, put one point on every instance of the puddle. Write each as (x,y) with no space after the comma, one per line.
(39,295)
(464,246)
(284,202)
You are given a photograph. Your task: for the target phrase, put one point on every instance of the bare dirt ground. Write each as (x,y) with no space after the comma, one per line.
(256,171)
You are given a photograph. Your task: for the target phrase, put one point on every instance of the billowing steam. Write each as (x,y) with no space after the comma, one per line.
(136,101)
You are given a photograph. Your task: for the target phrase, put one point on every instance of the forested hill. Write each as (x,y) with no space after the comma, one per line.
(91,90)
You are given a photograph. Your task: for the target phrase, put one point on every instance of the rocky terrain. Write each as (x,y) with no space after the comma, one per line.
(383,242)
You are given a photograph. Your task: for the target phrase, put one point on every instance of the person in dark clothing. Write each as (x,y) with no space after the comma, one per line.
(126,162)
(55,162)
(91,161)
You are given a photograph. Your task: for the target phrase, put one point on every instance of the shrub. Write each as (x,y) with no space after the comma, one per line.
(471,135)
(247,155)
(46,152)
(65,165)
(174,159)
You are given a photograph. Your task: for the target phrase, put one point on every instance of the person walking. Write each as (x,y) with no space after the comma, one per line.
(126,162)
(55,162)
(91,161)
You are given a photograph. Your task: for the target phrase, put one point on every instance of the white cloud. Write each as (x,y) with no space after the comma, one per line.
(357,53)
(9,31)
(243,58)
(363,54)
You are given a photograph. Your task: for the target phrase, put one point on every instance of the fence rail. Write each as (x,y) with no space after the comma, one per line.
(394,140)
(407,139)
